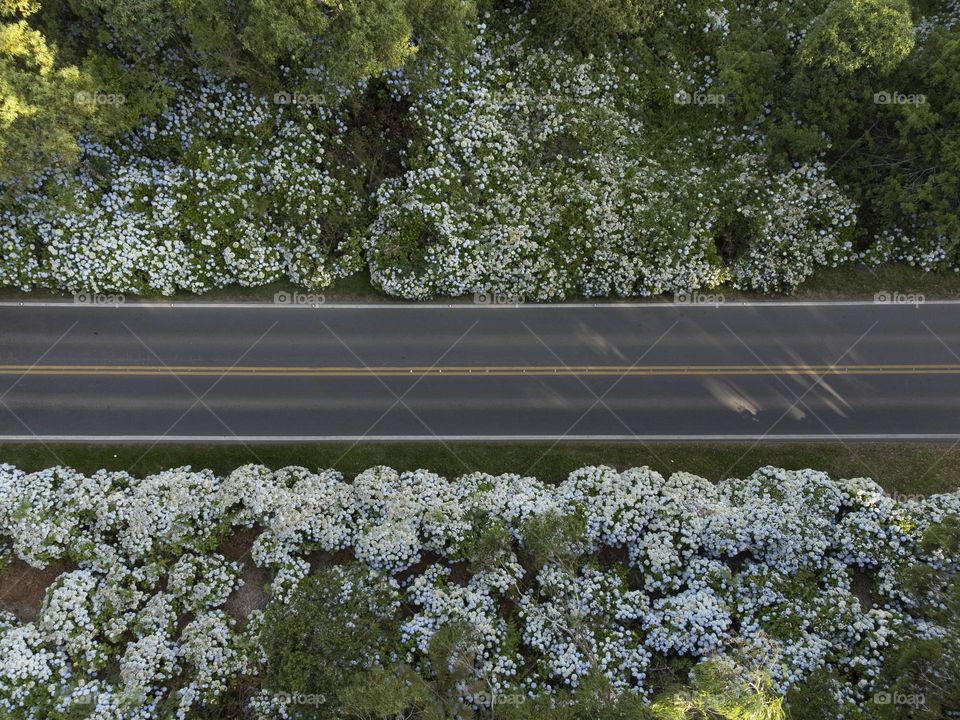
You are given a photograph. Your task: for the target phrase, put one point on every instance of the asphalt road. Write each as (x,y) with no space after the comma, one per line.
(763,371)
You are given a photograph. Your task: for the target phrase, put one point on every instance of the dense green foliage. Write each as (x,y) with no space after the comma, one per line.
(338,640)
(639,147)
(340,636)
(37,122)
(852,35)
(610,595)
(331,630)
(593,24)
(256,39)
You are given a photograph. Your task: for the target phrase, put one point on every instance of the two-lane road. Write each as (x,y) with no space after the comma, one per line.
(252,372)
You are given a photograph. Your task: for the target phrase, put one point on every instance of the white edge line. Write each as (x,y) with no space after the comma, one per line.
(464,305)
(457,438)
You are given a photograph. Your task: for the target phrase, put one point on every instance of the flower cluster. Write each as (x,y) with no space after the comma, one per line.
(533,173)
(607,572)
(536,177)
(225,188)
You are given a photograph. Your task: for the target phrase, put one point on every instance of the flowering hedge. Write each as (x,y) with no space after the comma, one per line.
(537,176)
(608,572)
(716,145)
(531,173)
(225,188)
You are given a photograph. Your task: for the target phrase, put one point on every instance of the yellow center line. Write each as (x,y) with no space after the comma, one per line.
(478,370)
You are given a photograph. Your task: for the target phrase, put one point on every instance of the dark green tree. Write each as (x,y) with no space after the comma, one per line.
(256,40)
(591,24)
(851,35)
(925,671)
(337,624)
(43,102)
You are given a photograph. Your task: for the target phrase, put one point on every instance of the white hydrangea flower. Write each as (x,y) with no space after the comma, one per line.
(147,663)
(207,648)
(256,187)
(769,564)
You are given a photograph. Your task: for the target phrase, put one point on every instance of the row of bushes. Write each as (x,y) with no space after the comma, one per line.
(612,594)
(537,170)
(523,182)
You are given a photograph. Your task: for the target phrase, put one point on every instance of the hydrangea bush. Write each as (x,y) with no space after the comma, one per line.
(536,176)
(225,188)
(608,572)
(530,172)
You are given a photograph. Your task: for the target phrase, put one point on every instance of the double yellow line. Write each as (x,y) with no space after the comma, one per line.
(477,370)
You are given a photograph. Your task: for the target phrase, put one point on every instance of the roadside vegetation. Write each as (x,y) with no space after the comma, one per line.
(450,147)
(532,150)
(631,595)
(903,470)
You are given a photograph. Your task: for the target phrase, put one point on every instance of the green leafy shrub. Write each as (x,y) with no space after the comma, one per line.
(339,622)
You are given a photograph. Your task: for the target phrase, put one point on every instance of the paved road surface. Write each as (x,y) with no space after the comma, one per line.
(770,371)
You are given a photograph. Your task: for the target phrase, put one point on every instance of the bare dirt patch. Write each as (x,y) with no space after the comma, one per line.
(252,595)
(22,587)
(862,587)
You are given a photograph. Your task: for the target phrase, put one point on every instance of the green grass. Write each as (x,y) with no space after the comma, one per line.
(857,281)
(902,468)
